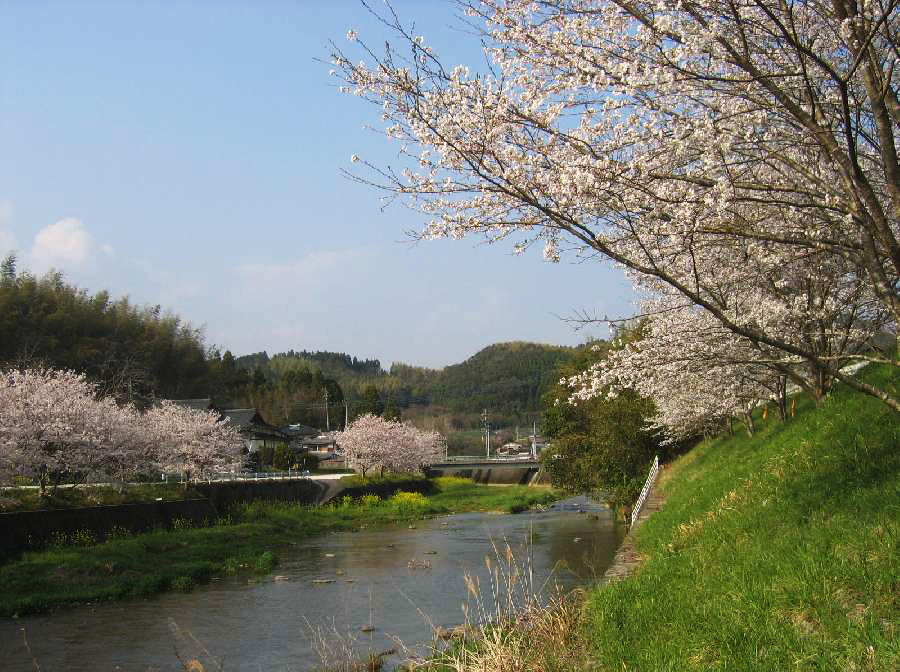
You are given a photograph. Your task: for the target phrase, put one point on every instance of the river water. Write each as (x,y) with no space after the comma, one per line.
(359,590)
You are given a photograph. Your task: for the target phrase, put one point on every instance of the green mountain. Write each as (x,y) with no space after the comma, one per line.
(507,379)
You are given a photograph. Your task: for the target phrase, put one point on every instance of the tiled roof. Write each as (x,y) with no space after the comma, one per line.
(249,420)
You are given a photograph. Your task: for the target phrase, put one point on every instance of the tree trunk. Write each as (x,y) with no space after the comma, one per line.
(748,422)
(781,398)
(43,479)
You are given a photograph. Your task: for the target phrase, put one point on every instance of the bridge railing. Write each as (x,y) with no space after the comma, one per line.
(645,491)
(462,459)
(244,476)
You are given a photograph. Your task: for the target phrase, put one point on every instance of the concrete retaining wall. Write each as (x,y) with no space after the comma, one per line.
(22,530)
(500,474)
(35,529)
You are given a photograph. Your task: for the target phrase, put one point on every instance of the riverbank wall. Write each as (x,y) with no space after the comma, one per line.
(24,530)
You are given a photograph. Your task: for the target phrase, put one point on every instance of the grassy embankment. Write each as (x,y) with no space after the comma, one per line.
(246,541)
(776,552)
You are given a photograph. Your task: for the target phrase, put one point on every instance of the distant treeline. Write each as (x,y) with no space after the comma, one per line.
(507,379)
(138,353)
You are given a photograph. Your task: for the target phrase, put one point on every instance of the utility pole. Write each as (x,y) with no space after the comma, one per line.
(534,440)
(346,414)
(327,420)
(487,433)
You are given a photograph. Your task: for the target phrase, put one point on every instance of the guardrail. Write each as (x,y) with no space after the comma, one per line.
(463,459)
(247,476)
(645,491)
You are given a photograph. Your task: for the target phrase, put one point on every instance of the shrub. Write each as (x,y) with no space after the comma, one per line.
(307,461)
(451,481)
(266,453)
(118,532)
(409,500)
(265,563)
(231,565)
(344,502)
(370,500)
(282,458)
(83,538)
(183,584)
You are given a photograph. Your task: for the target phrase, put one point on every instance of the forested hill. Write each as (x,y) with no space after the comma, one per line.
(505,378)
(336,365)
(133,352)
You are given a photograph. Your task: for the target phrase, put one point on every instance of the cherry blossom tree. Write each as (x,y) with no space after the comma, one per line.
(698,374)
(125,449)
(695,143)
(414,449)
(192,442)
(48,423)
(366,442)
(371,441)
(52,423)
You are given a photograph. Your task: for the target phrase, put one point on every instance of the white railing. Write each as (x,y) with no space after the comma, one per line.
(463,459)
(645,491)
(291,474)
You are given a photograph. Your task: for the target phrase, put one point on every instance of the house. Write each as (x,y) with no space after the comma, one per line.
(256,431)
(298,433)
(310,440)
(323,443)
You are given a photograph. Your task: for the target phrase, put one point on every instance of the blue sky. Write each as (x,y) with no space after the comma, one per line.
(188,154)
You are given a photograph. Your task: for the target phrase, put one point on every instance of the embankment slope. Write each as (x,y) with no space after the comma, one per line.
(774,552)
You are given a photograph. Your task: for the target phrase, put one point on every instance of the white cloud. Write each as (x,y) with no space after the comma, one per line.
(311,270)
(62,245)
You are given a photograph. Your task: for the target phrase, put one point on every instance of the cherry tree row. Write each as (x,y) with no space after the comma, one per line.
(53,424)
(737,157)
(371,442)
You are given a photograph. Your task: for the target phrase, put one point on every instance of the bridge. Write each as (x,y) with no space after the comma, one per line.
(509,471)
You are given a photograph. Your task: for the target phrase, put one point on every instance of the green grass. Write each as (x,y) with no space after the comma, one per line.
(248,540)
(776,552)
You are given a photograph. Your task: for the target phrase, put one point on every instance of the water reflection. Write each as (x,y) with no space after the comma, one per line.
(338,583)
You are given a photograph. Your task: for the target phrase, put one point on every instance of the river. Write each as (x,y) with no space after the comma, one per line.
(392,582)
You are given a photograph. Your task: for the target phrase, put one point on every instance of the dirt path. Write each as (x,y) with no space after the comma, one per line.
(627,558)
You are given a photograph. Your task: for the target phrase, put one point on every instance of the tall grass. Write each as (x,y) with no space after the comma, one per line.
(511,624)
